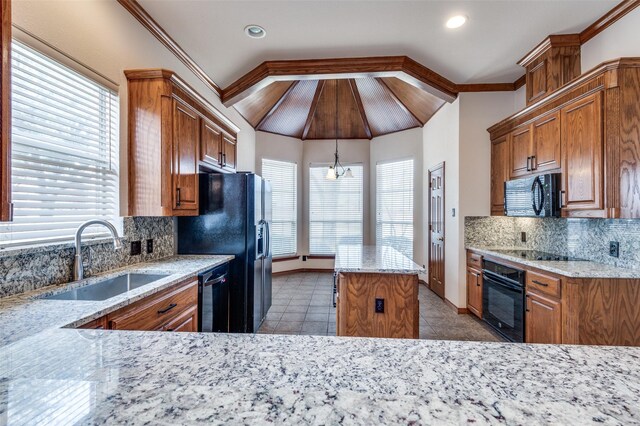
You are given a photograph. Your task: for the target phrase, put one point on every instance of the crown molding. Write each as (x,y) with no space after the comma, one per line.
(608,19)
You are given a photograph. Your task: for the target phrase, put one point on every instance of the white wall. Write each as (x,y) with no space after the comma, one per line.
(105,37)
(401,146)
(622,39)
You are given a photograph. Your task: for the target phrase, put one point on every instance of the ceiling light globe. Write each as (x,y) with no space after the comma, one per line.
(456,21)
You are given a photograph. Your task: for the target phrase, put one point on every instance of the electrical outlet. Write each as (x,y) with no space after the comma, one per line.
(614,249)
(150,246)
(379,306)
(136,248)
(304,258)
(523,237)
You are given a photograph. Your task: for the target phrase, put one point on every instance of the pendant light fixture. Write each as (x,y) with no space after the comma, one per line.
(337,170)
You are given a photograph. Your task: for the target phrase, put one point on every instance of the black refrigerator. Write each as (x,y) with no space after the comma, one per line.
(235,218)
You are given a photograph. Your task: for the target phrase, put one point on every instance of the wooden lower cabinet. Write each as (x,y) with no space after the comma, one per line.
(173,309)
(543,319)
(474,291)
(357,297)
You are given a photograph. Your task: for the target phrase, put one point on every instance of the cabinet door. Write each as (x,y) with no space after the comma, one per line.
(521,148)
(547,143)
(499,174)
(582,157)
(188,321)
(186,139)
(474,291)
(5,112)
(543,321)
(210,143)
(228,152)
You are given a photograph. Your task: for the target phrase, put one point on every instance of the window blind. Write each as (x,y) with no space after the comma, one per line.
(284,185)
(64,151)
(335,210)
(394,206)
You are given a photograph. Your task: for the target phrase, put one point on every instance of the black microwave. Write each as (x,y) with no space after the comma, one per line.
(535,196)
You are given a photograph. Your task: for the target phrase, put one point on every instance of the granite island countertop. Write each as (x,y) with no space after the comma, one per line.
(60,375)
(374,259)
(571,268)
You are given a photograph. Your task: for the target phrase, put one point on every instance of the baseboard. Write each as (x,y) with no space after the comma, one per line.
(424,283)
(455,308)
(294,271)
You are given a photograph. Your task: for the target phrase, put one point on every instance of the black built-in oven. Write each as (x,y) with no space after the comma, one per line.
(503,299)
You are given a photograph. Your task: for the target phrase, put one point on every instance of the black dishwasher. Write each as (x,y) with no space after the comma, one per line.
(213,300)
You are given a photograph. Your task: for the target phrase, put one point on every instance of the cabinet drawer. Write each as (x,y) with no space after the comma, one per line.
(474,260)
(155,312)
(187,321)
(543,284)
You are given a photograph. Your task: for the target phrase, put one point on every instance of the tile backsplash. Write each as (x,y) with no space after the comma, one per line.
(32,268)
(583,238)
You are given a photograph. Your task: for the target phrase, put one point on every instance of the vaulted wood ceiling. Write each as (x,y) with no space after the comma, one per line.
(366,107)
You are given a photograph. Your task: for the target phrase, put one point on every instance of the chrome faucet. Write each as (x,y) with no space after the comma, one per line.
(78,270)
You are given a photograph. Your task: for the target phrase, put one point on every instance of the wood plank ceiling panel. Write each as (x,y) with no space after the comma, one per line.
(421,104)
(384,113)
(255,108)
(350,122)
(289,117)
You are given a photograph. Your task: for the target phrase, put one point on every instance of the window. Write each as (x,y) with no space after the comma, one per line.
(335,210)
(284,229)
(64,151)
(394,206)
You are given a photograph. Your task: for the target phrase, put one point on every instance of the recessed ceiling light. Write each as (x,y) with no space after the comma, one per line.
(456,21)
(255,31)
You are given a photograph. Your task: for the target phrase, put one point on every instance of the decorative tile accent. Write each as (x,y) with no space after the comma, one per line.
(28,269)
(583,238)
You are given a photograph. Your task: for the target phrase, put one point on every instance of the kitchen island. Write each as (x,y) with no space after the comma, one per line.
(377,292)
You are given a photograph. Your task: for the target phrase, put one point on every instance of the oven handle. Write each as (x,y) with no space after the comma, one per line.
(501,281)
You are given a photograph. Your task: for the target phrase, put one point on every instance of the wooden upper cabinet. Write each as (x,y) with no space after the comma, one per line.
(550,65)
(547,144)
(185,144)
(521,149)
(499,174)
(582,158)
(543,319)
(210,143)
(229,152)
(6,210)
(172,132)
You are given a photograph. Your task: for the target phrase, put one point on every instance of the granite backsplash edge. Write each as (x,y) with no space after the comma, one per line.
(29,270)
(586,239)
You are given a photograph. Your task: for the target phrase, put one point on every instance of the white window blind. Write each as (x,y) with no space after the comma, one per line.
(394,206)
(64,151)
(335,210)
(284,224)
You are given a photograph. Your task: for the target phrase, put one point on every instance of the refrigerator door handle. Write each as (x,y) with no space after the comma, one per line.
(267,250)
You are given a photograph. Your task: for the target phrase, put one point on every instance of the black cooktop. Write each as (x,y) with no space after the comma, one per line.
(536,255)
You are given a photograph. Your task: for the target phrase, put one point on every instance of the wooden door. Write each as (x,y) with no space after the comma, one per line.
(582,156)
(186,139)
(543,321)
(499,174)
(474,291)
(436,229)
(210,143)
(547,144)
(6,210)
(229,152)
(521,148)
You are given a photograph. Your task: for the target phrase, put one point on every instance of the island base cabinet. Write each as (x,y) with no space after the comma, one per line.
(359,311)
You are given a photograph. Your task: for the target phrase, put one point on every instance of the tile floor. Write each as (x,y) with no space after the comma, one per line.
(302,304)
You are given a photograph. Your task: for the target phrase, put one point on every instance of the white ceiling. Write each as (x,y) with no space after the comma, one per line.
(485,50)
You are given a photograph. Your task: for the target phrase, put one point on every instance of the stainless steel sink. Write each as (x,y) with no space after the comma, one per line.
(106,289)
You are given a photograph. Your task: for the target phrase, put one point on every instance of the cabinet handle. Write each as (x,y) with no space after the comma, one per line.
(169,329)
(528,161)
(562,194)
(168,308)
(224,159)
(540,283)
(533,162)
(220,157)
(177,196)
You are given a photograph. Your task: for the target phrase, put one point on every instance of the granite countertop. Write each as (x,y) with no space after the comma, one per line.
(571,268)
(27,314)
(374,259)
(50,374)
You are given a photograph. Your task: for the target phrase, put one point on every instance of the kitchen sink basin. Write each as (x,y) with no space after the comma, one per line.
(108,288)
